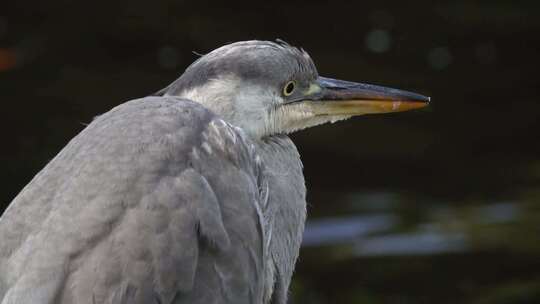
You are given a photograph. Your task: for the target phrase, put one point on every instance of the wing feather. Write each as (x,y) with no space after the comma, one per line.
(156,201)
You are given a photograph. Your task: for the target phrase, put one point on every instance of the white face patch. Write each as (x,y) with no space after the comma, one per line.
(215,95)
(242,104)
(256,109)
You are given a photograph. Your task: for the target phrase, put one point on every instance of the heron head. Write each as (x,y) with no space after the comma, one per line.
(268,88)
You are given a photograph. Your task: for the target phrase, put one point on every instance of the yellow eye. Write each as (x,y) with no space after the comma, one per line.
(288,89)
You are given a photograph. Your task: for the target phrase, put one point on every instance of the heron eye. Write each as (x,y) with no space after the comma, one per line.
(289,88)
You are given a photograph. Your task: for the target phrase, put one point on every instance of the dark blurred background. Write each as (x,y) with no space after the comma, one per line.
(434,206)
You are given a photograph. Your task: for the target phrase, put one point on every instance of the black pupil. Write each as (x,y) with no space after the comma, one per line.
(289,88)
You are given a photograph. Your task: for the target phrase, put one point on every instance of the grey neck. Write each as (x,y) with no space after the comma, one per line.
(286,208)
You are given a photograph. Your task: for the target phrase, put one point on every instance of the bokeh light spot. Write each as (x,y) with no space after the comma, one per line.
(378,41)
(8,60)
(439,58)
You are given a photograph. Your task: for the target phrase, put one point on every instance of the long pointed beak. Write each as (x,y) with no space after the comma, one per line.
(339,97)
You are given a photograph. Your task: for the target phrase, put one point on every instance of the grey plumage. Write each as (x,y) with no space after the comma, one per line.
(192,196)
(91,227)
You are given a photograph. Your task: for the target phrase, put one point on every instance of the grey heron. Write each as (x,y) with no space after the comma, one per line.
(193,195)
